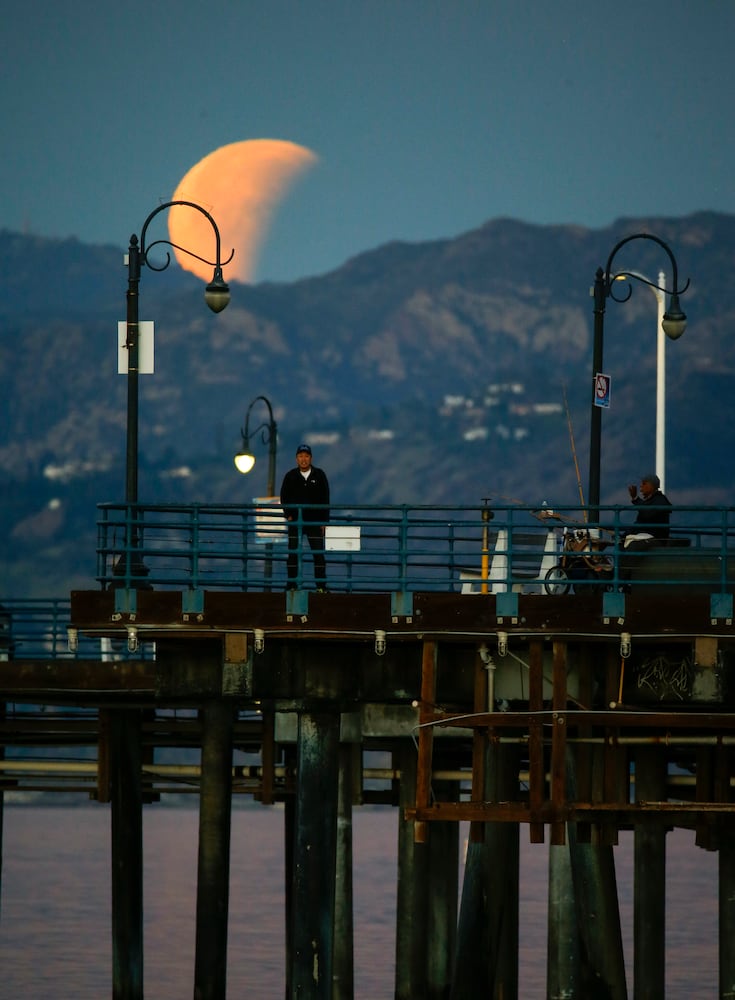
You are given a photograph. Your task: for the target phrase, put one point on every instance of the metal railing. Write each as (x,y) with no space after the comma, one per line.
(403,548)
(38,629)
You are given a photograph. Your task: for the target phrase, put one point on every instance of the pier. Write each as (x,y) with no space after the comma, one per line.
(453,670)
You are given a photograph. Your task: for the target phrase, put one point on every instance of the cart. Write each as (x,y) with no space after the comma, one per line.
(581,563)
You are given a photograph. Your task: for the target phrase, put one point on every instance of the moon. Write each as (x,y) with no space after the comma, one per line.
(240,185)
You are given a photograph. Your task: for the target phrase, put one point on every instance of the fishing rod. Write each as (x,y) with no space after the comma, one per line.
(574,451)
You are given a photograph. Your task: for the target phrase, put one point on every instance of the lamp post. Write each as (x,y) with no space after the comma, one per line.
(673,324)
(216,295)
(125,725)
(245,460)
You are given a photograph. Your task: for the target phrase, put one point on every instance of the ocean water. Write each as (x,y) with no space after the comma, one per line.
(55,919)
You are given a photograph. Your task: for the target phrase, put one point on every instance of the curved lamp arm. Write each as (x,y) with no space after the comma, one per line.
(674,319)
(217,292)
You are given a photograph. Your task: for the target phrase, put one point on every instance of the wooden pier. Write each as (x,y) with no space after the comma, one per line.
(561,718)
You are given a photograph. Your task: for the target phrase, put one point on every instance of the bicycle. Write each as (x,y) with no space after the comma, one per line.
(581,562)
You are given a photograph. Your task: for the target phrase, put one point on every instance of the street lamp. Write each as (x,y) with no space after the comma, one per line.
(673,324)
(216,295)
(245,460)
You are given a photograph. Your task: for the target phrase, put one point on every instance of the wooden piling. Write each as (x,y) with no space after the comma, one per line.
(2,809)
(412,891)
(289,846)
(562,940)
(602,966)
(486,963)
(315,850)
(649,867)
(213,876)
(727,911)
(440,945)
(343,976)
(127,854)
(426,906)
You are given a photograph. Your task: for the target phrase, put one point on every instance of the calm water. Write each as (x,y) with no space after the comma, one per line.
(55,926)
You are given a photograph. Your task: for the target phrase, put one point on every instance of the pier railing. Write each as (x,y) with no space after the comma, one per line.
(38,629)
(498,548)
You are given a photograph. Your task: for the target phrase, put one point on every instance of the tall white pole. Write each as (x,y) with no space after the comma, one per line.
(660,383)
(660,372)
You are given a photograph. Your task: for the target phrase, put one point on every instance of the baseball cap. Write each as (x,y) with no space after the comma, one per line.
(304,447)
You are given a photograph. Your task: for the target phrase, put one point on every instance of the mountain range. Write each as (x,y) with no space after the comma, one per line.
(433,373)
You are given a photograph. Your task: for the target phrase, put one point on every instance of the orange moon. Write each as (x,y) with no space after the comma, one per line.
(240,185)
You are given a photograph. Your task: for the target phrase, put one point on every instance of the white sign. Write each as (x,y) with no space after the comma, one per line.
(342,538)
(270,524)
(145,347)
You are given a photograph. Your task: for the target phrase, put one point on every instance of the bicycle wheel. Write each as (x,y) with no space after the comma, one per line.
(556,581)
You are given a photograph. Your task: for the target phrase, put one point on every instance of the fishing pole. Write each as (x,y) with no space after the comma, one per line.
(574,451)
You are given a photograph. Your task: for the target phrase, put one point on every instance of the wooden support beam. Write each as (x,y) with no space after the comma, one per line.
(268,757)
(315,854)
(585,754)
(343,975)
(649,863)
(706,834)
(536,762)
(562,937)
(127,854)
(213,876)
(414,880)
(613,758)
(427,708)
(104,776)
(559,741)
(479,743)
(602,965)
(726,894)
(487,943)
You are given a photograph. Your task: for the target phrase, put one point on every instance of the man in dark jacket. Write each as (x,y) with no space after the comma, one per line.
(309,486)
(650,521)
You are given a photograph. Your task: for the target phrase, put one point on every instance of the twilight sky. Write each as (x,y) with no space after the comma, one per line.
(428,117)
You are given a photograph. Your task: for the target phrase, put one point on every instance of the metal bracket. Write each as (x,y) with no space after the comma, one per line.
(720,606)
(506,606)
(613,606)
(192,603)
(401,605)
(297,604)
(126,601)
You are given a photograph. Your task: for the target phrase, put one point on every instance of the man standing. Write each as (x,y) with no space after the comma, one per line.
(305,502)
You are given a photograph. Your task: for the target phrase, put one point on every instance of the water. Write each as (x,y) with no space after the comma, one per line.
(55,926)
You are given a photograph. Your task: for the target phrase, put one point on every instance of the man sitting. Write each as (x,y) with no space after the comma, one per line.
(654,512)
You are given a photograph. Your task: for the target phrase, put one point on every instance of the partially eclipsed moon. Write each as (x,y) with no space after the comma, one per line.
(240,185)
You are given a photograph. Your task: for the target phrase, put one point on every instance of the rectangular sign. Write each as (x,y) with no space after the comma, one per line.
(270,524)
(602,390)
(342,538)
(145,347)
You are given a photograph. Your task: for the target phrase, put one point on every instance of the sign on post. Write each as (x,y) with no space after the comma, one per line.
(145,347)
(270,524)
(602,390)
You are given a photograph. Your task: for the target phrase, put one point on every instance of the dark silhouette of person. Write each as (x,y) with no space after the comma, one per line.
(654,507)
(305,502)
